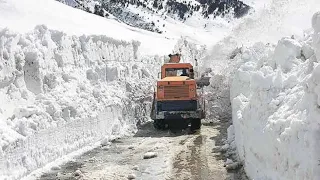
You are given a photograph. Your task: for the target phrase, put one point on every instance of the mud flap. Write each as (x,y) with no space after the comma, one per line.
(195,124)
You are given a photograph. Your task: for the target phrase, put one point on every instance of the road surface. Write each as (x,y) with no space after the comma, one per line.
(179,156)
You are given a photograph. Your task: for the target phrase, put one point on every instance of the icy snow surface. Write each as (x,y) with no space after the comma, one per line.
(275,107)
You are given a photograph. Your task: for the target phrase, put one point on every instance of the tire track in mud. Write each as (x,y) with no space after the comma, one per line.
(189,163)
(197,157)
(181,156)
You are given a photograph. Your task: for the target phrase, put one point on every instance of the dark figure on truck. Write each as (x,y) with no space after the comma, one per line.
(184,72)
(191,74)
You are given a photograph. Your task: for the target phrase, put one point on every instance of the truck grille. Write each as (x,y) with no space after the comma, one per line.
(175,92)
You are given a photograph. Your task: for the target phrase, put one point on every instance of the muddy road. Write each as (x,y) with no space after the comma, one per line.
(179,156)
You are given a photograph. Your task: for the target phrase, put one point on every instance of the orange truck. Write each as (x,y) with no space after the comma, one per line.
(177,98)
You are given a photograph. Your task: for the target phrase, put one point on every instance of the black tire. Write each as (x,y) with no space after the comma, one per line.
(185,125)
(195,124)
(159,124)
(178,124)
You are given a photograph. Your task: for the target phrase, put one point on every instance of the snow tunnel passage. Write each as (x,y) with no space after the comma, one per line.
(32,72)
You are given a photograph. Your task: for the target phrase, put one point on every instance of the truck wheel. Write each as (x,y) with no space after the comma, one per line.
(159,124)
(185,125)
(195,124)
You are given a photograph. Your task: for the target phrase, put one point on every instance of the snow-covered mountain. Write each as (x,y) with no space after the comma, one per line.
(22,17)
(150,15)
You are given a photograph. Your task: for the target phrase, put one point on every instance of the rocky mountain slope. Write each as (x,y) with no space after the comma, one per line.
(149,14)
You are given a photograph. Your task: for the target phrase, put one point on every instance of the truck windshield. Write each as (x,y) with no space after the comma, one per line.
(177,72)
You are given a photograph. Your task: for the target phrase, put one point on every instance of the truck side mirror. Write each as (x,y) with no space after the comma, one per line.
(159,75)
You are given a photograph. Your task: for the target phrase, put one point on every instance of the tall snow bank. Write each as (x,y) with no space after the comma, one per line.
(275,107)
(59,93)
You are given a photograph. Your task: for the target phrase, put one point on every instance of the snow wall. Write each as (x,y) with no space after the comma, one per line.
(59,93)
(275,98)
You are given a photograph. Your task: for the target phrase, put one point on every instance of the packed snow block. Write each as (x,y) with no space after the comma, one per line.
(101,72)
(307,51)
(286,53)
(145,73)
(135,45)
(316,35)
(259,81)
(32,74)
(92,75)
(7,80)
(316,45)
(102,49)
(67,77)
(315,78)
(59,59)
(314,83)
(25,112)
(57,36)
(23,127)
(278,79)
(51,108)
(242,81)
(96,93)
(7,59)
(112,73)
(316,22)
(230,132)
(19,60)
(69,112)
(50,80)
(19,79)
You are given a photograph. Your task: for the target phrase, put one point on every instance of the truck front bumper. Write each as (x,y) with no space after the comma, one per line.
(180,115)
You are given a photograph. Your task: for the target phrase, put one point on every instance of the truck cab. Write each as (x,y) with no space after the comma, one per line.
(175,82)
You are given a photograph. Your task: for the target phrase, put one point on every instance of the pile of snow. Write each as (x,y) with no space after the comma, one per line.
(59,93)
(275,107)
